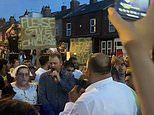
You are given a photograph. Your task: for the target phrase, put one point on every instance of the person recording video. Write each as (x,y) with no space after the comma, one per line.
(137,38)
(12,34)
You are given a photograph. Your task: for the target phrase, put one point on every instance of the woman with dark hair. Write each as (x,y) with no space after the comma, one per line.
(15,107)
(5,78)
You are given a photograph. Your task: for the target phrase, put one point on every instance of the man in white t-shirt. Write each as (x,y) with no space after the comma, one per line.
(104,96)
(44,62)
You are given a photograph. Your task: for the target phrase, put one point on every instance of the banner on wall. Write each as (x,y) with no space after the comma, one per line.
(82,47)
(37,33)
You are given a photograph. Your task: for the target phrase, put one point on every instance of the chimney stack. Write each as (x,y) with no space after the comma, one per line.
(63,8)
(93,1)
(74,4)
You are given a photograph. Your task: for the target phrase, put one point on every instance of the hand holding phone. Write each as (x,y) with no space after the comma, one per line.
(132,9)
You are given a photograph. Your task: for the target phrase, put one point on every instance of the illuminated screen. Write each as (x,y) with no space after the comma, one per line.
(132,8)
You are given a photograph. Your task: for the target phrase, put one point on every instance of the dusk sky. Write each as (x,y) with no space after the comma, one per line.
(17,8)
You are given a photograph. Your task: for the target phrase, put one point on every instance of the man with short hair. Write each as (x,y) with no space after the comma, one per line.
(77,73)
(104,96)
(68,66)
(54,86)
(44,62)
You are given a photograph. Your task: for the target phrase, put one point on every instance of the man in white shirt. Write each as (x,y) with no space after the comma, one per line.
(77,73)
(104,96)
(44,62)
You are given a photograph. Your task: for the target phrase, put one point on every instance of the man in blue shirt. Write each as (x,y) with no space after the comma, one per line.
(54,86)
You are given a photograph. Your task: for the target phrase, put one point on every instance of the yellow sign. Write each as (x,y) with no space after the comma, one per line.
(37,33)
(82,47)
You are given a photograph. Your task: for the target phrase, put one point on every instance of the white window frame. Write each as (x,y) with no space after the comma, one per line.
(68,29)
(93,25)
(117,47)
(116,40)
(109,47)
(111,27)
(57,30)
(103,49)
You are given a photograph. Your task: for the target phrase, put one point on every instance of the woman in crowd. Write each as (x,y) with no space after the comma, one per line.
(14,63)
(25,91)
(5,78)
(15,107)
(118,69)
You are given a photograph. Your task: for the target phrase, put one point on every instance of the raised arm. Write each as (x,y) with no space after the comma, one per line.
(138,39)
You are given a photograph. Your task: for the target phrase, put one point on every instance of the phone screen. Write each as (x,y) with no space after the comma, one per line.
(132,9)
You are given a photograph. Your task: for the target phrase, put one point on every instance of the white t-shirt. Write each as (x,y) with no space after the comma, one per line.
(38,73)
(105,97)
(77,74)
(29,95)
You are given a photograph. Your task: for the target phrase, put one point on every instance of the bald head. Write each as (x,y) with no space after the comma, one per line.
(99,63)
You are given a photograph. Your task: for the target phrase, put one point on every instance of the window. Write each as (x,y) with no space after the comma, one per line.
(92,25)
(68,29)
(57,30)
(103,47)
(117,44)
(111,27)
(109,47)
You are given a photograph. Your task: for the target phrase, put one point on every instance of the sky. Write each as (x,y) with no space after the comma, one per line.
(17,8)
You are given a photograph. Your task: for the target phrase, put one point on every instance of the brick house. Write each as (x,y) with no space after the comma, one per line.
(91,20)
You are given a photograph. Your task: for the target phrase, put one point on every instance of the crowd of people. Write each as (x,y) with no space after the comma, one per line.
(48,86)
(106,87)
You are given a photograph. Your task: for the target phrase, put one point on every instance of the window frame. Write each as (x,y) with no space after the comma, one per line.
(109,48)
(93,20)
(68,29)
(103,49)
(111,27)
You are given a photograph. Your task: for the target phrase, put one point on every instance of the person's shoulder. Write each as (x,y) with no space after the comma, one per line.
(120,84)
(37,71)
(78,71)
(122,87)
(45,75)
(33,86)
(40,70)
(88,96)
(66,74)
(13,84)
(90,99)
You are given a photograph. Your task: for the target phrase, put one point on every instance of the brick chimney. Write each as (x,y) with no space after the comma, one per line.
(63,8)
(74,4)
(93,1)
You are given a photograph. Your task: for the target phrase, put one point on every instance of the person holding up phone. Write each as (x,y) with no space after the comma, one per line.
(138,39)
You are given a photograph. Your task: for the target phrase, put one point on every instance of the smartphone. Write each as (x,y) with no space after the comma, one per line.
(132,9)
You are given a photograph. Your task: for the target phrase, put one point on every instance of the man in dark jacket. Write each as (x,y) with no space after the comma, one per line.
(54,86)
